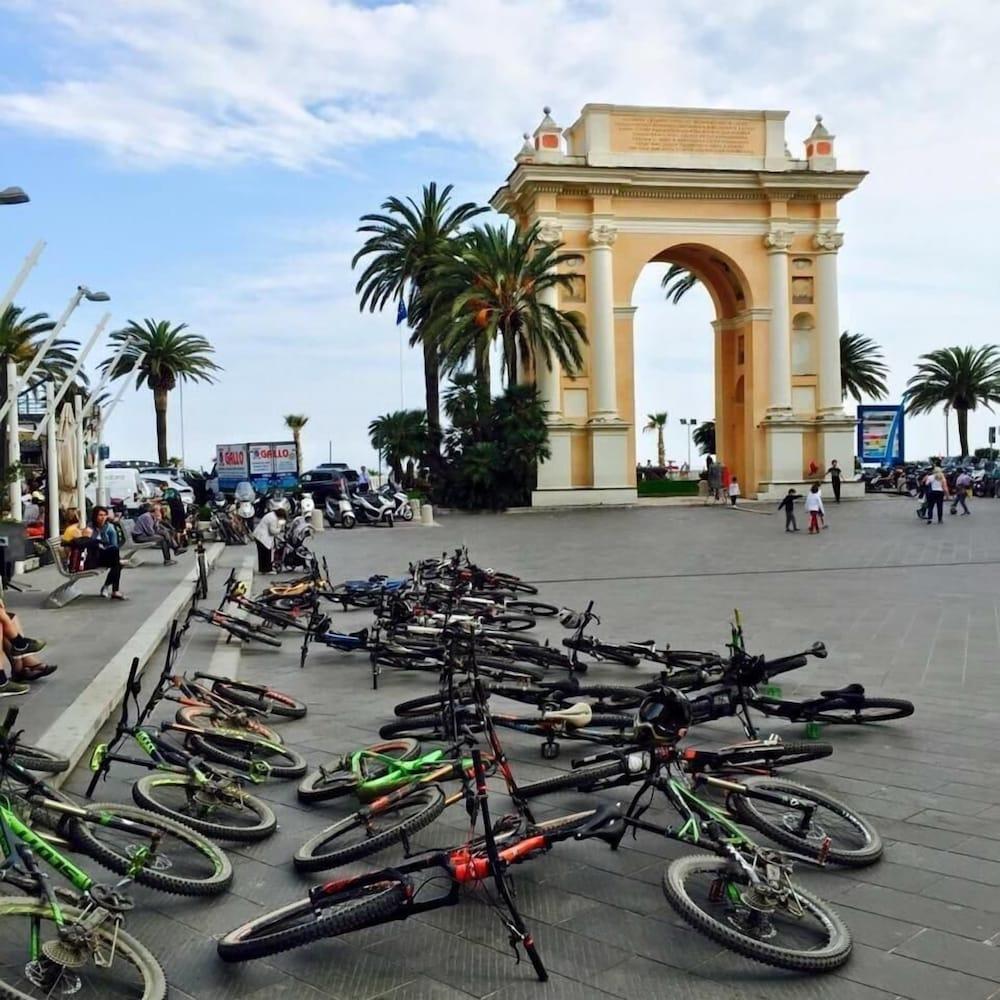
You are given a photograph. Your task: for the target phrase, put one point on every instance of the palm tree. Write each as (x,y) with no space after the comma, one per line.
(677,282)
(407,239)
(492,289)
(20,338)
(656,422)
(295,422)
(398,437)
(862,367)
(959,377)
(704,437)
(163,354)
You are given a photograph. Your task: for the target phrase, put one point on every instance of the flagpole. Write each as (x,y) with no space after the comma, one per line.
(401,406)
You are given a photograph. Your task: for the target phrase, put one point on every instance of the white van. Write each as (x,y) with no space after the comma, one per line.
(126,485)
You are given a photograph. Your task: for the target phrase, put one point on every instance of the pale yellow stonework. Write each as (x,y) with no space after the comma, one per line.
(716,192)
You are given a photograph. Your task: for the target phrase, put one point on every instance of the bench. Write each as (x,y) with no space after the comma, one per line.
(67,591)
(131,547)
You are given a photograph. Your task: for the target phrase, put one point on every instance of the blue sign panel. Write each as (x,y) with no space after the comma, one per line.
(880,434)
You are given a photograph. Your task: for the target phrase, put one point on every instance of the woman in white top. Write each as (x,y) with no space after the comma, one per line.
(814,508)
(937,490)
(269,527)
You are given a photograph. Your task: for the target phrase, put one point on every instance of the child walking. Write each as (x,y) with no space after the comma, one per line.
(734,491)
(814,508)
(788,506)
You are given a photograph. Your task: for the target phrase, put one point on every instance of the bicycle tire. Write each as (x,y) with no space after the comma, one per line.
(420,727)
(263,819)
(36,759)
(407,817)
(81,834)
(513,622)
(111,939)
(579,779)
(543,656)
(509,582)
(537,609)
(826,959)
(748,809)
(873,710)
(261,698)
(246,754)
(306,920)
(209,720)
(335,781)
(498,668)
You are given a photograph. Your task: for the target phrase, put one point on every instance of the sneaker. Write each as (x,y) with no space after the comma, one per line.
(170,562)
(22,645)
(9,688)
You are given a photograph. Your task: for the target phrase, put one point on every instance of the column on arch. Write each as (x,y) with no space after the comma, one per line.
(777,243)
(827,244)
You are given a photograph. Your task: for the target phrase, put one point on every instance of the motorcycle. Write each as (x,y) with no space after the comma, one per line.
(245,499)
(401,506)
(373,508)
(274,498)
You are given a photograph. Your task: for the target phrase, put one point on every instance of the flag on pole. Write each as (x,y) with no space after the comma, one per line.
(400,312)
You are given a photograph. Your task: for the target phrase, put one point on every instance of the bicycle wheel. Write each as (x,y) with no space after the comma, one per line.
(367,832)
(509,582)
(537,609)
(302,922)
(186,862)
(513,622)
(579,779)
(833,831)
(606,697)
(210,720)
(711,896)
(337,778)
(262,699)
(134,974)
(873,710)
(37,759)
(248,754)
(423,727)
(220,812)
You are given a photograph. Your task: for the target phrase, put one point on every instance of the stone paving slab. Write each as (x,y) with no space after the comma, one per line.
(909,611)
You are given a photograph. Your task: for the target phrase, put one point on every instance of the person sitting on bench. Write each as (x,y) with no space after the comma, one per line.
(19,663)
(149,527)
(95,546)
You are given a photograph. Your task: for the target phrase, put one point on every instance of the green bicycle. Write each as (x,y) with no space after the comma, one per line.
(367,773)
(50,948)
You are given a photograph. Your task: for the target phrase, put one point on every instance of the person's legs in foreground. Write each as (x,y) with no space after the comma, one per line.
(935,502)
(20,643)
(836,490)
(813,522)
(263,558)
(965,506)
(8,686)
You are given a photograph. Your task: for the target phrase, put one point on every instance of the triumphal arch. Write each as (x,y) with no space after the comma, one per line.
(719,193)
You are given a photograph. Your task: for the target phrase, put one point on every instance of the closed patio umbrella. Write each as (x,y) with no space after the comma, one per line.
(66,444)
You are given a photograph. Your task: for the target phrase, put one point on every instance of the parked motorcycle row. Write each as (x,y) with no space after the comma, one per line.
(906,480)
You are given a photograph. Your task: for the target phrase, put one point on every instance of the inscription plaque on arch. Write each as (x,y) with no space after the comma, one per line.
(667,132)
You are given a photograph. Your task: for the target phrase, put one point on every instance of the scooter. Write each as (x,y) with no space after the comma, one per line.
(372,508)
(401,506)
(245,498)
(339,512)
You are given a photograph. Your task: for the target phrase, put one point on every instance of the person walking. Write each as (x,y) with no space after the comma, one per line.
(834,473)
(715,480)
(962,486)
(734,491)
(269,527)
(788,506)
(937,490)
(814,508)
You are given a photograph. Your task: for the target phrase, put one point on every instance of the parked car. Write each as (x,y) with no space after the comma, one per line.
(324,480)
(124,485)
(160,483)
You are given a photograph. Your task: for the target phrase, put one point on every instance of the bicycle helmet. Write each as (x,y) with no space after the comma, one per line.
(667,712)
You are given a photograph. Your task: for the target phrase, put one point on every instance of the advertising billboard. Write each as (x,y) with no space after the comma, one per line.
(263,463)
(880,434)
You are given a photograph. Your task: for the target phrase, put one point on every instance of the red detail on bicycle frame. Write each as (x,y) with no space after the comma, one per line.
(469,867)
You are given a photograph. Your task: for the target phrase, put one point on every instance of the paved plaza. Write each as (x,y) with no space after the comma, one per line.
(906,609)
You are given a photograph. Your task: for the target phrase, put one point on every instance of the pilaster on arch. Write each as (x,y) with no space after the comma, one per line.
(717,192)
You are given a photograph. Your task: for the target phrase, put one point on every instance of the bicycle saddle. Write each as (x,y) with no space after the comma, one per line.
(606,824)
(857,690)
(575,716)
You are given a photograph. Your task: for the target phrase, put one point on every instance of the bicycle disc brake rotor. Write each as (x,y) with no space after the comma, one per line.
(814,832)
(157,862)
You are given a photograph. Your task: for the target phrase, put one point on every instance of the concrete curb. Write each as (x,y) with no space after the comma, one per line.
(71,734)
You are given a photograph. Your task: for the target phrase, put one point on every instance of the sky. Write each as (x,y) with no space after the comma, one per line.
(207,163)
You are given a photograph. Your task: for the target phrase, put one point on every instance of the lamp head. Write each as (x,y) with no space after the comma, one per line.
(94,296)
(13,196)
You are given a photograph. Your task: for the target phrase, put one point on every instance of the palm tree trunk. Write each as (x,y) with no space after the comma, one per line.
(483,370)
(963,430)
(661,452)
(297,438)
(510,359)
(432,393)
(160,398)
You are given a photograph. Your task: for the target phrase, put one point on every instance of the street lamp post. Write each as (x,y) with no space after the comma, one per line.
(689,423)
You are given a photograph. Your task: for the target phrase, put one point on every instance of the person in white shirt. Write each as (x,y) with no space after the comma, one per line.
(937,490)
(734,490)
(814,508)
(269,527)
